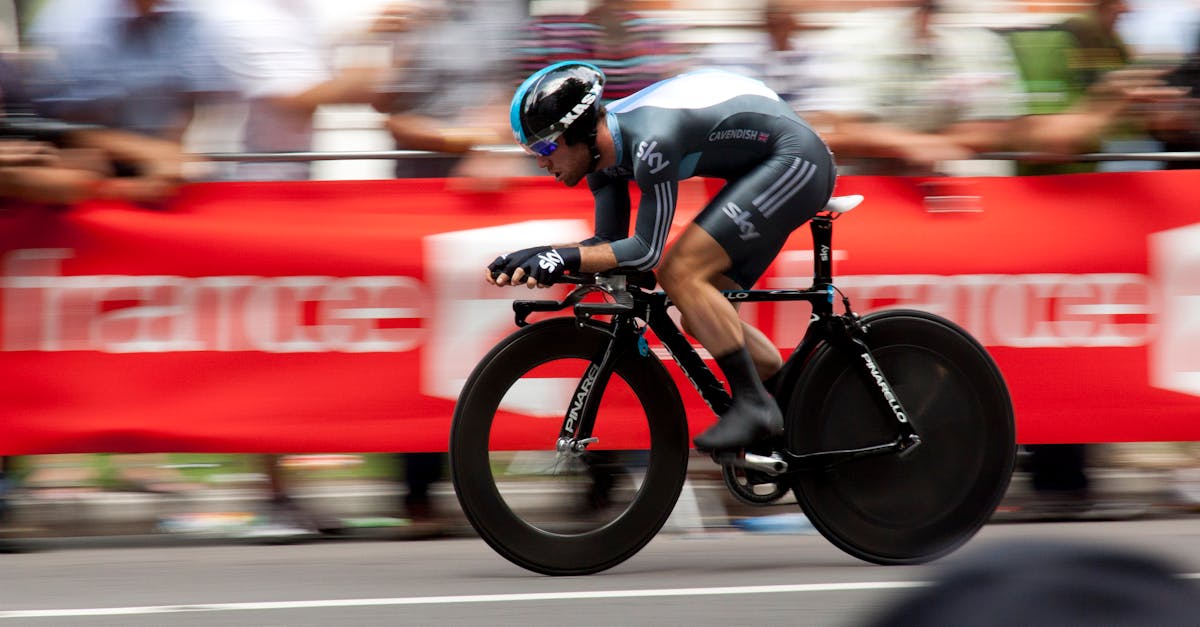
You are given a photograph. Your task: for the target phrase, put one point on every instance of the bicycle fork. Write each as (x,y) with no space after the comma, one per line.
(580,418)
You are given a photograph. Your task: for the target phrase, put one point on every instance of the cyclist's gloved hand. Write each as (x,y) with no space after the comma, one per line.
(507,264)
(548,266)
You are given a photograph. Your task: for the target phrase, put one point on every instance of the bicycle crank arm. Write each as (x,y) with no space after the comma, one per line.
(772,465)
(826,459)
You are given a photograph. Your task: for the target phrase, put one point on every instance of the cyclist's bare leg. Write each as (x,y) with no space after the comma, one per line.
(767,360)
(690,273)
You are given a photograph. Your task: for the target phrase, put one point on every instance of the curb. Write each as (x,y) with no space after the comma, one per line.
(370,509)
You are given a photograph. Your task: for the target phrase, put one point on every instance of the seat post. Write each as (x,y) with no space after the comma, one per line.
(822,236)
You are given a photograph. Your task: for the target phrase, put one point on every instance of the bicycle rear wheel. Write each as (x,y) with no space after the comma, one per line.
(555,513)
(911,508)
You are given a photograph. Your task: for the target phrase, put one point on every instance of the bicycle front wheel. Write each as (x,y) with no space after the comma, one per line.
(560,513)
(915,507)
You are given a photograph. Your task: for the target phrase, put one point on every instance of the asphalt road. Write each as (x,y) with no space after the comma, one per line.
(716,578)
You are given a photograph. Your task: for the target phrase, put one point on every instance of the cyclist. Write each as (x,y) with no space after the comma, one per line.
(711,123)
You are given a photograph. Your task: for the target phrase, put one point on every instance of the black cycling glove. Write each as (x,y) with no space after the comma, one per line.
(506,264)
(548,266)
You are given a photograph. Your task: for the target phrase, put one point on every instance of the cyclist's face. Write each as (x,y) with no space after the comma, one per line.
(568,164)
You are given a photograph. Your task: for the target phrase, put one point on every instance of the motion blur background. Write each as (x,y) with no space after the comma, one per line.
(225,78)
(651,39)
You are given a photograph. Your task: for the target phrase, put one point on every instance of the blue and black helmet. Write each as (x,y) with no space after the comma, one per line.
(559,101)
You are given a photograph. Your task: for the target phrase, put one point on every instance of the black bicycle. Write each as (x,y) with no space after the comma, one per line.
(898,445)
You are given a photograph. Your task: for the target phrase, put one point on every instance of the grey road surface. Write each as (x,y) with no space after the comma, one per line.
(716,578)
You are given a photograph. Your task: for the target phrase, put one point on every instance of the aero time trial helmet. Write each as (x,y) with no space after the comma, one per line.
(558,101)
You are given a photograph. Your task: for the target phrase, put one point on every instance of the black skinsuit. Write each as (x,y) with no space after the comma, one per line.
(715,124)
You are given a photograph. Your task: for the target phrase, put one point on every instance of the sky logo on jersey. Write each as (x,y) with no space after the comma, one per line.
(655,160)
(741,218)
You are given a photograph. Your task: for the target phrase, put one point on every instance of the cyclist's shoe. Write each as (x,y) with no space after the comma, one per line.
(746,422)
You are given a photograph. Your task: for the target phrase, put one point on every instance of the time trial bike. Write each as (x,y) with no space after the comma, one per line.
(569,445)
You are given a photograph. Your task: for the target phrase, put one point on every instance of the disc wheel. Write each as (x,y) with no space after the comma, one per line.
(915,507)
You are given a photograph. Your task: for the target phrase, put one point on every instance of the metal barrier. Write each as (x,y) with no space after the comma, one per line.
(280,157)
(1092,156)
(277,157)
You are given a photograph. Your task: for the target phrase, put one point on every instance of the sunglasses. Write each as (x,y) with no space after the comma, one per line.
(543,144)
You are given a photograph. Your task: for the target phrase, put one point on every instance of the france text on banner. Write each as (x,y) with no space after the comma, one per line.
(344,316)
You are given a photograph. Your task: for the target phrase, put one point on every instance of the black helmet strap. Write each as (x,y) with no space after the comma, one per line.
(593,149)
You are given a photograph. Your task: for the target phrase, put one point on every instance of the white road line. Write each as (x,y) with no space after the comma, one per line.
(451,600)
(474,598)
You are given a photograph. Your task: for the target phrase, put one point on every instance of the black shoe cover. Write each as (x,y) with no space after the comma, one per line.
(743,424)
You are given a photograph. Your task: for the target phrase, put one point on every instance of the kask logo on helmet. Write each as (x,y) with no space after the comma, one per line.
(584,104)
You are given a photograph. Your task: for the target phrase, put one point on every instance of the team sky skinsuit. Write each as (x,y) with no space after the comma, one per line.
(715,124)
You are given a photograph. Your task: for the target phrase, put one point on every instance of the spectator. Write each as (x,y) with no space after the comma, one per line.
(632,49)
(918,93)
(448,98)
(1098,48)
(1059,472)
(47,162)
(110,163)
(905,94)
(134,69)
(1178,126)
(777,55)
(1090,49)
(136,65)
(283,65)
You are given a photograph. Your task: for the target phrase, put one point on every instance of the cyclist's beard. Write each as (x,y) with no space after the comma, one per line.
(571,179)
(571,166)
(572,173)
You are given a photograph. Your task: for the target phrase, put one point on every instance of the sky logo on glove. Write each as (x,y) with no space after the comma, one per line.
(549,260)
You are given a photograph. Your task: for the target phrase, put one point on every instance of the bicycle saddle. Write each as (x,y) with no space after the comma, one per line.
(842,204)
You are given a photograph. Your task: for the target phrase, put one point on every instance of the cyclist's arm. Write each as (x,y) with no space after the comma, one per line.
(612,222)
(644,249)
(612,247)
(597,257)
(611,194)
(656,209)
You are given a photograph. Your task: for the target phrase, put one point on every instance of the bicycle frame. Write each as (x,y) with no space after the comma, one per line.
(843,331)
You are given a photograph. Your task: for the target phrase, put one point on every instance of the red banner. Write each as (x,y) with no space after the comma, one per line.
(344,316)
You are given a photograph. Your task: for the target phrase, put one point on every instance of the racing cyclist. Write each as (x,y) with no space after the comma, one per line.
(710,123)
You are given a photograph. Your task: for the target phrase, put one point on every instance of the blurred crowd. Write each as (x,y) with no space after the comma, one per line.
(124,98)
(896,86)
